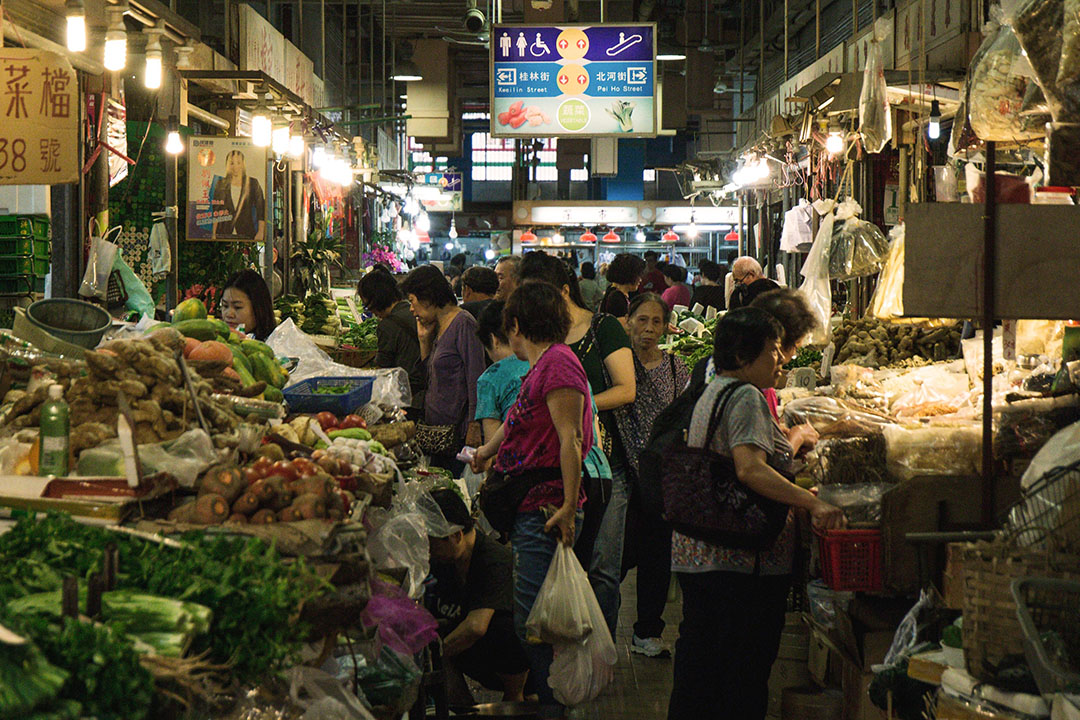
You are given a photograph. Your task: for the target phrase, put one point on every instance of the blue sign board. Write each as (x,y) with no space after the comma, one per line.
(573,80)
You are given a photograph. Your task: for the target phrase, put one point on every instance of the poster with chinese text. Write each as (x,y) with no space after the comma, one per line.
(226,199)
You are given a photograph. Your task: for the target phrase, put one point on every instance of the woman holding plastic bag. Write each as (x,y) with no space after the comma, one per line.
(534,490)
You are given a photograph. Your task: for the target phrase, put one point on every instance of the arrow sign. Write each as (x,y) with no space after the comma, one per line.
(582,79)
(563,44)
(563,79)
(581,43)
(506,76)
(638,74)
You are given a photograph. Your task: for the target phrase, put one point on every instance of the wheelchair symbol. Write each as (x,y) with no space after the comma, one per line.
(538,48)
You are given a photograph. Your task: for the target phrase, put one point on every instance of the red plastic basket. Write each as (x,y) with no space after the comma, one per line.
(851,559)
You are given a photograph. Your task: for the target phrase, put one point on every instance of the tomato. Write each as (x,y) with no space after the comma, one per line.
(285,469)
(327,420)
(251,474)
(302,467)
(352,421)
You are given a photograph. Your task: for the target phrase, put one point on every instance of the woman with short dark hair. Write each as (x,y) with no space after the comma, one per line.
(678,292)
(734,599)
(623,276)
(591,292)
(709,291)
(397,342)
(498,386)
(452,354)
(541,446)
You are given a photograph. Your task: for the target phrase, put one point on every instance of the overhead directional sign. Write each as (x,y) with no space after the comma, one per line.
(573,80)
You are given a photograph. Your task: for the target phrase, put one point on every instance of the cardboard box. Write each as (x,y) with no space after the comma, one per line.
(824,658)
(856,686)
(953,577)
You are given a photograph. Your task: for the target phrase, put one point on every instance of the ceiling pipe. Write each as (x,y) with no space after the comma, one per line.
(208,117)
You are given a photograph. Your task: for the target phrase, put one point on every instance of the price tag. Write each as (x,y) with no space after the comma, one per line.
(827,358)
(1008,339)
(353,309)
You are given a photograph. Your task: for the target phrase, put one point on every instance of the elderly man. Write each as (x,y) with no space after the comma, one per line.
(478,287)
(749,282)
(507,271)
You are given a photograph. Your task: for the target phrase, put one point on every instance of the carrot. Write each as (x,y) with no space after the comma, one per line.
(310,506)
(226,482)
(263,517)
(246,504)
(237,519)
(263,490)
(288,514)
(208,509)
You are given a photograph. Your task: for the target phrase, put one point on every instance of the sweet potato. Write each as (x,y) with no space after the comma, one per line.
(246,504)
(226,482)
(263,517)
(310,506)
(289,514)
(263,491)
(315,485)
(208,509)
(283,497)
(237,519)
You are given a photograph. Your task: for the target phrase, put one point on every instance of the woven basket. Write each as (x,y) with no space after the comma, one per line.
(991,628)
(353,356)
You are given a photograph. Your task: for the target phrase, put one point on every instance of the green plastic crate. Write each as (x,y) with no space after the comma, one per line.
(24,265)
(21,284)
(25,246)
(24,226)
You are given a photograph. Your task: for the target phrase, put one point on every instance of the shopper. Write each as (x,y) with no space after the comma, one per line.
(733,599)
(542,443)
(473,600)
(678,292)
(623,276)
(603,348)
(749,281)
(245,302)
(659,378)
(397,343)
(453,358)
(478,287)
(591,292)
(652,280)
(498,386)
(507,271)
(709,292)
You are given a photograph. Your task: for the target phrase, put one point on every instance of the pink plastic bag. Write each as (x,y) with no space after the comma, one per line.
(402,624)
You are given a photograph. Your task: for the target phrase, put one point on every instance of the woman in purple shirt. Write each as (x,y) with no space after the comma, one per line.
(452,354)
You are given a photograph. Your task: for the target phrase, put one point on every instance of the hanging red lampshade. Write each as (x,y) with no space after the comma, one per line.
(732,237)
(611,237)
(588,237)
(423,237)
(528,236)
(669,237)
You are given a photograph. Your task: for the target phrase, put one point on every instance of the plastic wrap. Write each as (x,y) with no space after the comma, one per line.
(859,248)
(815,271)
(850,460)
(822,411)
(825,603)
(861,502)
(392,682)
(997,92)
(402,542)
(391,384)
(402,625)
(1060,450)
(1009,188)
(560,613)
(875,116)
(185,458)
(323,696)
(906,638)
(933,449)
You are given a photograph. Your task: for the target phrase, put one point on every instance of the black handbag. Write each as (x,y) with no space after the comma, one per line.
(502,494)
(705,500)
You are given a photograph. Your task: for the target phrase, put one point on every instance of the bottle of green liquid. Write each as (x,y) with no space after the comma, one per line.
(55,434)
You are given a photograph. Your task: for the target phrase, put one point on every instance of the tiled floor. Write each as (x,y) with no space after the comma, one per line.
(642,685)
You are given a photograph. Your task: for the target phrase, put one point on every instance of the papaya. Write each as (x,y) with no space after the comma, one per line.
(267,369)
(273,394)
(235,338)
(251,347)
(240,359)
(198,329)
(190,309)
(223,330)
(158,326)
(212,351)
(246,378)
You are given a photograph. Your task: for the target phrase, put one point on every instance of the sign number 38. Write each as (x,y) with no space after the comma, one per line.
(15,150)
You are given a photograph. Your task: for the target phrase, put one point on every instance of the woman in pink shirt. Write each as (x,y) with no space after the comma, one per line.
(678,292)
(539,450)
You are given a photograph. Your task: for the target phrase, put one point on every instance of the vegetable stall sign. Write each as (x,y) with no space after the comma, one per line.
(39,118)
(573,80)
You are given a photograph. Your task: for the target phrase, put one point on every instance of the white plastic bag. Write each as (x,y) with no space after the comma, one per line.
(560,613)
(815,272)
(402,542)
(95,282)
(581,670)
(323,696)
(875,116)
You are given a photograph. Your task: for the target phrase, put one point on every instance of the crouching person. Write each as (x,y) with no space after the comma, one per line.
(472,598)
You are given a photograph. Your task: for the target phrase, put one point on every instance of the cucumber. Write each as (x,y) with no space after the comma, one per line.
(199,329)
(252,347)
(267,369)
(240,360)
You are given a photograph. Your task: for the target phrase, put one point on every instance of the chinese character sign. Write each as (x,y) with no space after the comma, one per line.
(226,198)
(578,80)
(39,120)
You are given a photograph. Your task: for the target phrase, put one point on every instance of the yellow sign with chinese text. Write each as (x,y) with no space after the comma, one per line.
(39,118)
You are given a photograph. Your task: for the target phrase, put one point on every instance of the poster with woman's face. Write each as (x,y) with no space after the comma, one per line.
(226,194)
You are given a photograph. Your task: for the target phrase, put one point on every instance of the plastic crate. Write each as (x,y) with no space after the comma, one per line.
(24,265)
(302,397)
(851,560)
(21,284)
(23,246)
(30,226)
(1047,610)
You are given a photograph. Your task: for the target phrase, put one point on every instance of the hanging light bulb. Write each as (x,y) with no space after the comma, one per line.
(261,128)
(384,216)
(588,237)
(528,236)
(296,146)
(152,72)
(670,236)
(611,236)
(318,157)
(489,254)
(76,26)
(761,170)
(173,144)
(405,234)
(692,231)
(933,129)
(449,247)
(423,222)
(279,141)
(834,143)
(412,205)
(116,40)
(557,238)
(453,228)
(639,235)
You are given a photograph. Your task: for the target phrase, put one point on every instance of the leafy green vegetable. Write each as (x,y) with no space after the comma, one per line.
(807,356)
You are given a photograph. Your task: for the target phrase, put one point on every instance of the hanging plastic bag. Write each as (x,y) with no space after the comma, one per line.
(1050,44)
(997,92)
(1069,67)
(580,671)
(323,696)
(95,282)
(815,271)
(402,542)
(560,613)
(859,248)
(888,300)
(403,625)
(139,298)
(875,118)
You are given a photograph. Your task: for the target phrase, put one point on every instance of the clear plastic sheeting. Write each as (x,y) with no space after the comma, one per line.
(933,449)
(323,696)
(1060,450)
(861,502)
(875,116)
(391,384)
(823,411)
(888,300)
(1041,27)
(815,271)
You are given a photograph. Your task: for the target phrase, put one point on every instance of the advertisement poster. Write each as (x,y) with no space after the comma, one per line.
(226,199)
(573,80)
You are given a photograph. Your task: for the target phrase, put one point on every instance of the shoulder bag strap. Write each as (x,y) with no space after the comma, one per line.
(674,378)
(716,416)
